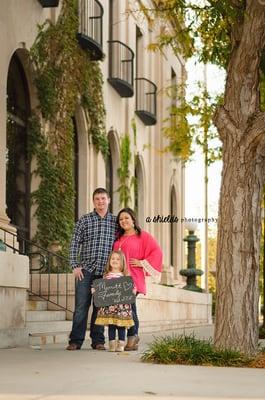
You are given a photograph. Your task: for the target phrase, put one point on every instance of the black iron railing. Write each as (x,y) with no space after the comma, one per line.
(146,93)
(90,27)
(49,3)
(121,68)
(49,271)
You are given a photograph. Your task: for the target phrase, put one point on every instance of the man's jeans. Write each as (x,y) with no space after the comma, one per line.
(83,299)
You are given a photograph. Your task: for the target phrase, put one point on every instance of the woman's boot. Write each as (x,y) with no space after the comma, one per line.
(132,343)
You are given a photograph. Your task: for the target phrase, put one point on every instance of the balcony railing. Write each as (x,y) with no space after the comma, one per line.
(146,101)
(49,3)
(121,68)
(90,27)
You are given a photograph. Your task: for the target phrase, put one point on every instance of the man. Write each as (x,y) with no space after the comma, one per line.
(91,245)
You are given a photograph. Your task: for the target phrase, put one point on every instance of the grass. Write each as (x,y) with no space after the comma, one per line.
(187,349)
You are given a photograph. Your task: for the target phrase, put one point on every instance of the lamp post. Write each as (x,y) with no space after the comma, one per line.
(191,272)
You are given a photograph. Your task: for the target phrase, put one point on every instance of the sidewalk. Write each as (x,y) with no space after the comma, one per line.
(51,373)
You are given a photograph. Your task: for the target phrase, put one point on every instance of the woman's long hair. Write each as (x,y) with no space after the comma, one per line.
(120,230)
(124,268)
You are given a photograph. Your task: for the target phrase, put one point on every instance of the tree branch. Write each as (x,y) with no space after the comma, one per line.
(225,124)
(242,95)
(254,136)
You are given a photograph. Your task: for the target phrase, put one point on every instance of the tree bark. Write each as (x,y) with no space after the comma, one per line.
(241,126)
(239,232)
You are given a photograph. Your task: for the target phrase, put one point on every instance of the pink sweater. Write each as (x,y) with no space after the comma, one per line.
(142,247)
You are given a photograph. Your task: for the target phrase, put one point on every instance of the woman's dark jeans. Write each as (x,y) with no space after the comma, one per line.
(83,298)
(133,331)
(112,332)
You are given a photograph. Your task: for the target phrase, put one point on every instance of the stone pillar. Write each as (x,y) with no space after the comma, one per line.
(167,276)
(4,220)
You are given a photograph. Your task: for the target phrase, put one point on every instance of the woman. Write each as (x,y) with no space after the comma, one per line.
(143,256)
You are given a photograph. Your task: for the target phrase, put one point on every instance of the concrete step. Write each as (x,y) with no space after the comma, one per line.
(45,316)
(37,305)
(48,326)
(35,297)
(38,339)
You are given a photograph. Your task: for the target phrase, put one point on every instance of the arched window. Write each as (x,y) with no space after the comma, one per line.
(18,174)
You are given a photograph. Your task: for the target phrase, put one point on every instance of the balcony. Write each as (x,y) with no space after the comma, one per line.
(49,3)
(121,68)
(90,27)
(146,101)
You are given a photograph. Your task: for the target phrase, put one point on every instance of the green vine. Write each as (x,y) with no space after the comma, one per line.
(177,130)
(124,171)
(92,102)
(176,127)
(55,195)
(126,180)
(64,76)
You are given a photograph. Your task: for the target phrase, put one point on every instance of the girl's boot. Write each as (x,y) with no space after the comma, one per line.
(120,346)
(112,345)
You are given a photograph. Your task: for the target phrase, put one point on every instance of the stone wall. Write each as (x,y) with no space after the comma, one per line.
(14,273)
(163,307)
(166,307)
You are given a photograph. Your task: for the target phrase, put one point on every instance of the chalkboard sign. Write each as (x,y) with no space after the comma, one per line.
(113,291)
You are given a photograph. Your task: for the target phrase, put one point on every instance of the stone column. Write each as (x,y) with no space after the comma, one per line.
(4,220)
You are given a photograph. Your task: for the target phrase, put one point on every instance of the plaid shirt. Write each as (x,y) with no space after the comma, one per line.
(92,241)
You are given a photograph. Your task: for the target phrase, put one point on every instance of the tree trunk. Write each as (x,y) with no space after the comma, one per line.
(241,127)
(239,229)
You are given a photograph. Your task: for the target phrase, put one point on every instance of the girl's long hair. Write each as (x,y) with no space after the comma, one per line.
(120,230)
(124,268)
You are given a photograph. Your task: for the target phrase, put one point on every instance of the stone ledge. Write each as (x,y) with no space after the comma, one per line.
(13,337)
(175,294)
(14,270)
(13,308)
(169,326)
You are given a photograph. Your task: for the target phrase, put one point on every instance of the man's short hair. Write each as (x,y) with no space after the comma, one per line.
(100,190)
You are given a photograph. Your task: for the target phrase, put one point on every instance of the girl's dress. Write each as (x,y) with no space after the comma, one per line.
(117,314)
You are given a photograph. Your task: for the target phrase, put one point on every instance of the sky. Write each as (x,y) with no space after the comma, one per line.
(194,176)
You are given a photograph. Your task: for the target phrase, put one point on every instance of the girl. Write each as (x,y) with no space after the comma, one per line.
(143,256)
(118,316)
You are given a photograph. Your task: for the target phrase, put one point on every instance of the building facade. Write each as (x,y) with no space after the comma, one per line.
(117,35)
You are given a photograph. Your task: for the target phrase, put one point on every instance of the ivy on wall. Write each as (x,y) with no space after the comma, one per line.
(64,76)
(55,195)
(126,180)
(124,171)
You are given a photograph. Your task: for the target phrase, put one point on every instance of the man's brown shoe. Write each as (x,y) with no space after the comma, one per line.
(99,346)
(73,346)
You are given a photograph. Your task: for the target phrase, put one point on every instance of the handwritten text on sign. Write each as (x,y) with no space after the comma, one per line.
(113,291)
